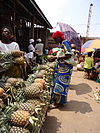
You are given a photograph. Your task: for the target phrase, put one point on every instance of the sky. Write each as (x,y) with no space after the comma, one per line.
(73,12)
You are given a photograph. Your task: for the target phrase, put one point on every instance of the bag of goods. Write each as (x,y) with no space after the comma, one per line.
(20,60)
(17,53)
(80,67)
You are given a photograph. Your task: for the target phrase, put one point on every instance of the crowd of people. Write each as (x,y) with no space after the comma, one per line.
(35,51)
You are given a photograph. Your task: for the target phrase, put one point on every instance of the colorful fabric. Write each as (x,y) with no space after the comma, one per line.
(90,45)
(61,80)
(53,50)
(58,34)
(66,46)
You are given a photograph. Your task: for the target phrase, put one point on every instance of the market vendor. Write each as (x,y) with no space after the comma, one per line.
(8,46)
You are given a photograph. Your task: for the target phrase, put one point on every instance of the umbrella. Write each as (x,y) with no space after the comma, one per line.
(68,31)
(90,45)
(70,34)
(95,44)
(86,50)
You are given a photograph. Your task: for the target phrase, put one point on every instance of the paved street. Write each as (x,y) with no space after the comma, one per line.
(82,112)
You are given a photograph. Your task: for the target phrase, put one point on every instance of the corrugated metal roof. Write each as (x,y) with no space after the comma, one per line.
(35,10)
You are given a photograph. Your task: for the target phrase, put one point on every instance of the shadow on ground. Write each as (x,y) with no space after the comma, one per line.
(52,125)
(77,106)
(81,89)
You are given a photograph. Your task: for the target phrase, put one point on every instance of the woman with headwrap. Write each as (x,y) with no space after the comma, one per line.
(62,70)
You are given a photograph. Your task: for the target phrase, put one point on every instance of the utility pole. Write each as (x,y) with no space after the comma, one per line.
(89,19)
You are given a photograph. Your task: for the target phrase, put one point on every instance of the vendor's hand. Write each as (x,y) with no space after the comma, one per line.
(36,52)
(51,57)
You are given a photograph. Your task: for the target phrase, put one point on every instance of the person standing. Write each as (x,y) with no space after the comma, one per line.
(30,55)
(8,45)
(39,47)
(62,71)
(31,47)
(88,65)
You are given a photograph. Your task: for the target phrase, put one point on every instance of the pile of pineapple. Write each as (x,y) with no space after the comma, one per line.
(24,104)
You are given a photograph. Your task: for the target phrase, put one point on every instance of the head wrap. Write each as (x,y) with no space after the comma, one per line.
(58,34)
(31,41)
(39,40)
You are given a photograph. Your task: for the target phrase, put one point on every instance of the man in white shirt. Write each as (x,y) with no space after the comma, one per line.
(31,55)
(31,47)
(39,47)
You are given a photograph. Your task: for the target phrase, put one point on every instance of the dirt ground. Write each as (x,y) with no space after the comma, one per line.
(82,112)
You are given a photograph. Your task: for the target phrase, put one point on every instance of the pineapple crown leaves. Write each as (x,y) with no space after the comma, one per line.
(15,95)
(20,84)
(5,56)
(37,110)
(32,119)
(4,78)
(5,128)
(5,60)
(31,78)
(35,123)
(5,116)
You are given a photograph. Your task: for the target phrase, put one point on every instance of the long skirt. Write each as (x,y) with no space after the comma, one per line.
(61,81)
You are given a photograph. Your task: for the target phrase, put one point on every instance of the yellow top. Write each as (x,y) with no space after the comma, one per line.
(89,63)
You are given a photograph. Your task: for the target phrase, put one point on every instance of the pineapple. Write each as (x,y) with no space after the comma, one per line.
(20,118)
(34,101)
(1,92)
(2,105)
(39,80)
(34,90)
(37,85)
(20,60)
(7,86)
(12,81)
(30,107)
(17,53)
(18,130)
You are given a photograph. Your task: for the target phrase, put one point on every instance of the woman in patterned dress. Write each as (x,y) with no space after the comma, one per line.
(62,71)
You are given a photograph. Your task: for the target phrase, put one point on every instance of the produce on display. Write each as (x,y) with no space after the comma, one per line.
(24,104)
(18,130)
